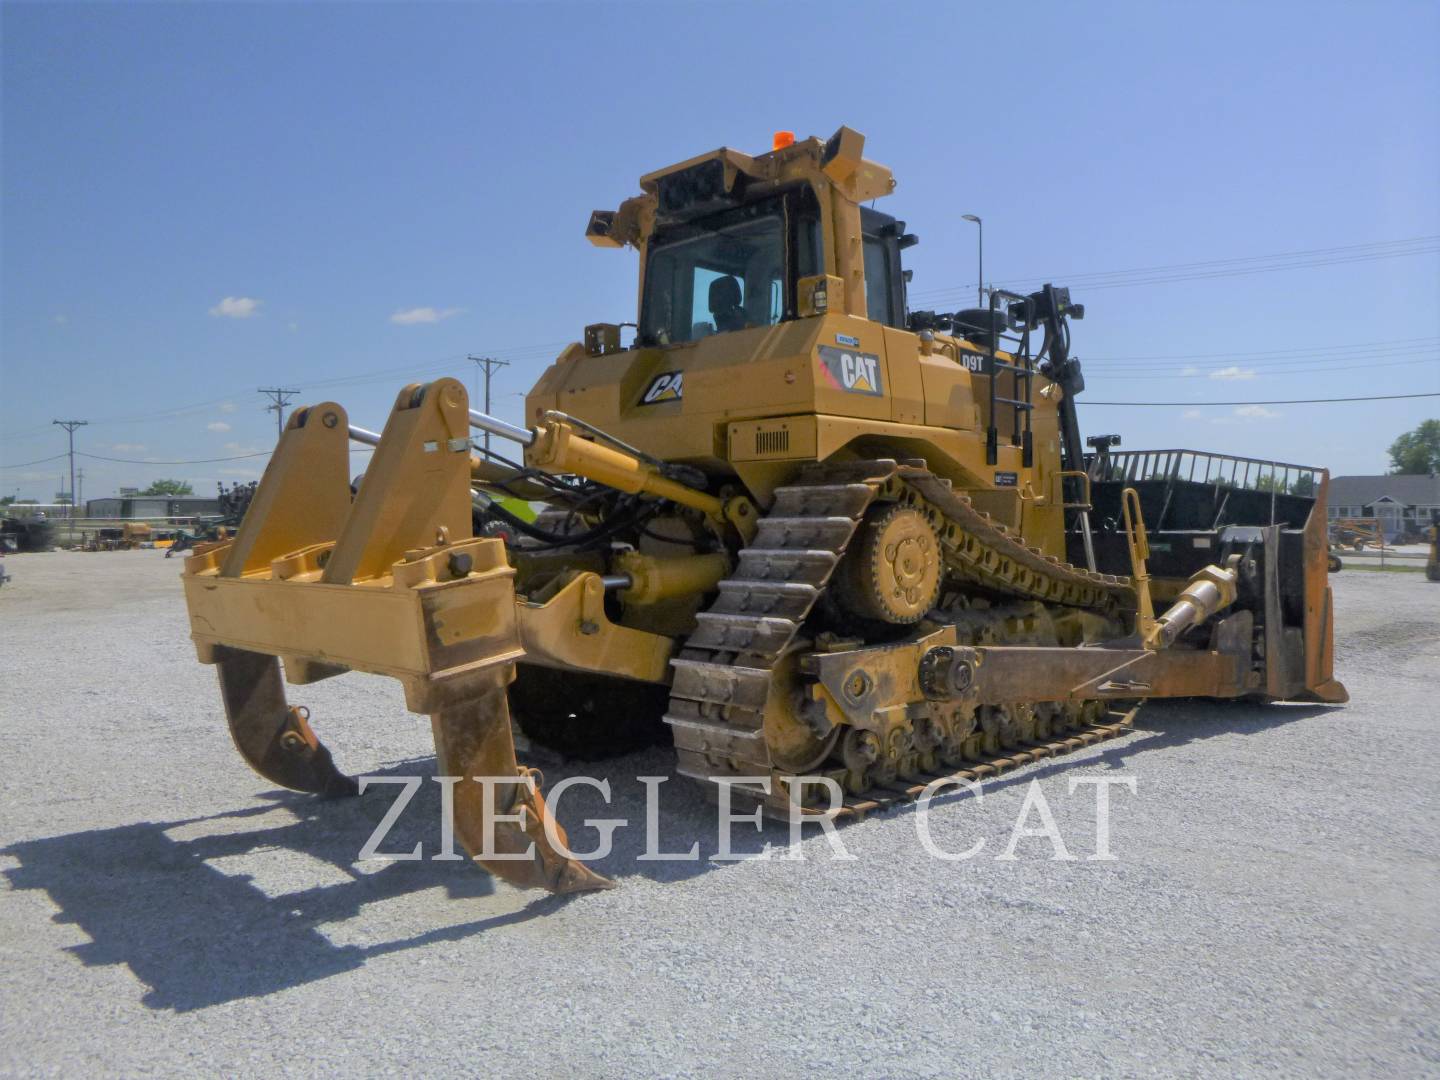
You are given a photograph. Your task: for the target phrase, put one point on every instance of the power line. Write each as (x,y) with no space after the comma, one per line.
(1203,275)
(523,353)
(1160,274)
(1346,249)
(1308,350)
(514,353)
(180,410)
(1333,367)
(192,461)
(37,461)
(1289,260)
(519,353)
(1213,268)
(1410,352)
(1290,401)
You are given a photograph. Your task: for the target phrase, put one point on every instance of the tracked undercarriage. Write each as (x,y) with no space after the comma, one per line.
(746,700)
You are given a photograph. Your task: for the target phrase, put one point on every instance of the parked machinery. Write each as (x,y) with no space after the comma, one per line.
(826,540)
(1356,533)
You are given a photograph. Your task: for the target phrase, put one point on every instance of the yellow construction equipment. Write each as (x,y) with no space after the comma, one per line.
(1357,533)
(836,545)
(132,534)
(1432,564)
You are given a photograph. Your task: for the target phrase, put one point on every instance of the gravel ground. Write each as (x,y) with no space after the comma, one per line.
(1273,906)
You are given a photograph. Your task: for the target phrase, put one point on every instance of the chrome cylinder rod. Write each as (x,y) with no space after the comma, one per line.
(524,436)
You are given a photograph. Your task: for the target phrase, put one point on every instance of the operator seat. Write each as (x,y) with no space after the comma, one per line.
(725,304)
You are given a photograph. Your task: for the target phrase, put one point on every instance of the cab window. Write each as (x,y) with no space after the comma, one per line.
(729,270)
(879,298)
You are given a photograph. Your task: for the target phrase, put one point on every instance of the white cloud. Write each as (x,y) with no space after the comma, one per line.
(127,447)
(292,326)
(1191,414)
(217,425)
(242,448)
(248,474)
(1233,372)
(411,316)
(1189,370)
(60,320)
(1256,412)
(229,407)
(236,307)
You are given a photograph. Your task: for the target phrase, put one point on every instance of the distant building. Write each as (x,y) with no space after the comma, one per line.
(152,506)
(1399,503)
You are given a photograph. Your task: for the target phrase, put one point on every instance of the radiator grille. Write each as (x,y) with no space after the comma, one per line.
(772,442)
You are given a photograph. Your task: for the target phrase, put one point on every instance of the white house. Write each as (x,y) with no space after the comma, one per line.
(1399,503)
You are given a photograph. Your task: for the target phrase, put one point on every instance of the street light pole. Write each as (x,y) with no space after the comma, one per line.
(980,225)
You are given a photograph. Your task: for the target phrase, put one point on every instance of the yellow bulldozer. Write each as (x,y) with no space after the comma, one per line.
(836,548)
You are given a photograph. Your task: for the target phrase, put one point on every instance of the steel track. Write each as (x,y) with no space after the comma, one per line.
(724,672)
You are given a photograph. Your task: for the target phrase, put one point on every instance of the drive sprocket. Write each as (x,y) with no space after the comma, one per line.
(892,572)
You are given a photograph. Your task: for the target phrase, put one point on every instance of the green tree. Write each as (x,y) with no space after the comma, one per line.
(1417,452)
(1301,485)
(169,487)
(6,500)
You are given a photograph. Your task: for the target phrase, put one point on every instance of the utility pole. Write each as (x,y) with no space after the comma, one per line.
(279,398)
(70,426)
(488,364)
(78,495)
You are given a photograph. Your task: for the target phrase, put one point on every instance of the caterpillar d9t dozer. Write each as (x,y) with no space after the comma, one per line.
(839,547)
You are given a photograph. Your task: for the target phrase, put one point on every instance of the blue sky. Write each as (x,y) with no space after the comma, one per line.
(342,165)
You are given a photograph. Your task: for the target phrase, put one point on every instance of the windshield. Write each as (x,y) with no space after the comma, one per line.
(730,270)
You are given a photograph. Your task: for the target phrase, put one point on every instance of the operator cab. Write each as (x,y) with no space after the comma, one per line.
(739,267)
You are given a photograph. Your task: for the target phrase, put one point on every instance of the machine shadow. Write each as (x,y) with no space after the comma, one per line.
(155,895)
(149,895)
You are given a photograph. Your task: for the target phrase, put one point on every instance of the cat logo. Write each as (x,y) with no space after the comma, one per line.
(851,371)
(667,386)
